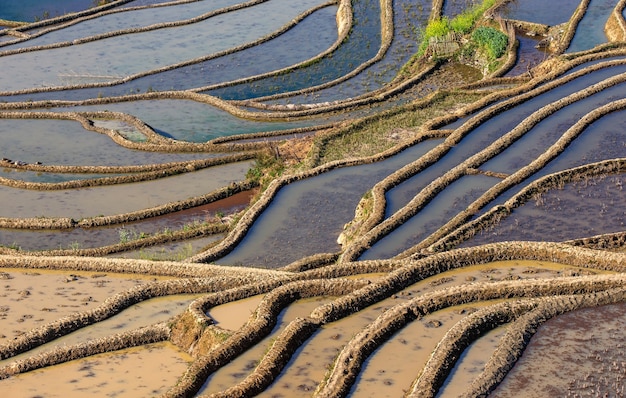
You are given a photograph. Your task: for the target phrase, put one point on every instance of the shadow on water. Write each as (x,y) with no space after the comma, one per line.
(528,55)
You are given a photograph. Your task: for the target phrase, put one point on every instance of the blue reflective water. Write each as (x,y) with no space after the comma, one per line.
(409,18)
(191,121)
(545,133)
(486,133)
(287,49)
(65,142)
(362,44)
(453,199)
(124,20)
(117,57)
(307,216)
(31,10)
(604,139)
(590,30)
(291,47)
(540,11)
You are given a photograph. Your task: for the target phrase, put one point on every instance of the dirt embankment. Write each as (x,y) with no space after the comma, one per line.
(615,28)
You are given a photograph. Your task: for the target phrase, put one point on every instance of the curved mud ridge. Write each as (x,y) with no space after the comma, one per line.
(585,272)
(212,347)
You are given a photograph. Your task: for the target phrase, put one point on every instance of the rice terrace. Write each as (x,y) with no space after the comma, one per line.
(313,198)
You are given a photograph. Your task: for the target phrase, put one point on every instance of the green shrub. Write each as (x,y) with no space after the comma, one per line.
(463,23)
(435,28)
(491,40)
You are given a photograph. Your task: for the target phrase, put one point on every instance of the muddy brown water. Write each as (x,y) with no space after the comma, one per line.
(392,368)
(105,375)
(578,354)
(232,316)
(143,314)
(31,298)
(471,363)
(241,366)
(135,372)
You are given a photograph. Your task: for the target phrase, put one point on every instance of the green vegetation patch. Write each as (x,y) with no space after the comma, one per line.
(267,166)
(492,41)
(461,24)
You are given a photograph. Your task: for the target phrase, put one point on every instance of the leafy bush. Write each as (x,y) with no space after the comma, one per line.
(491,40)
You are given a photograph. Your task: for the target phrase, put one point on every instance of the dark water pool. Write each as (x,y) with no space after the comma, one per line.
(32,10)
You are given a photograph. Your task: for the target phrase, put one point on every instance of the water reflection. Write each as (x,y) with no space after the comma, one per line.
(590,29)
(307,216)
(540,11)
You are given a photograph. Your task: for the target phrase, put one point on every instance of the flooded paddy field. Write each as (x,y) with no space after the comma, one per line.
(309,198)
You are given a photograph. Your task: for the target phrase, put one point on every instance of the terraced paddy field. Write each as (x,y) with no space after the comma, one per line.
(308,198)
